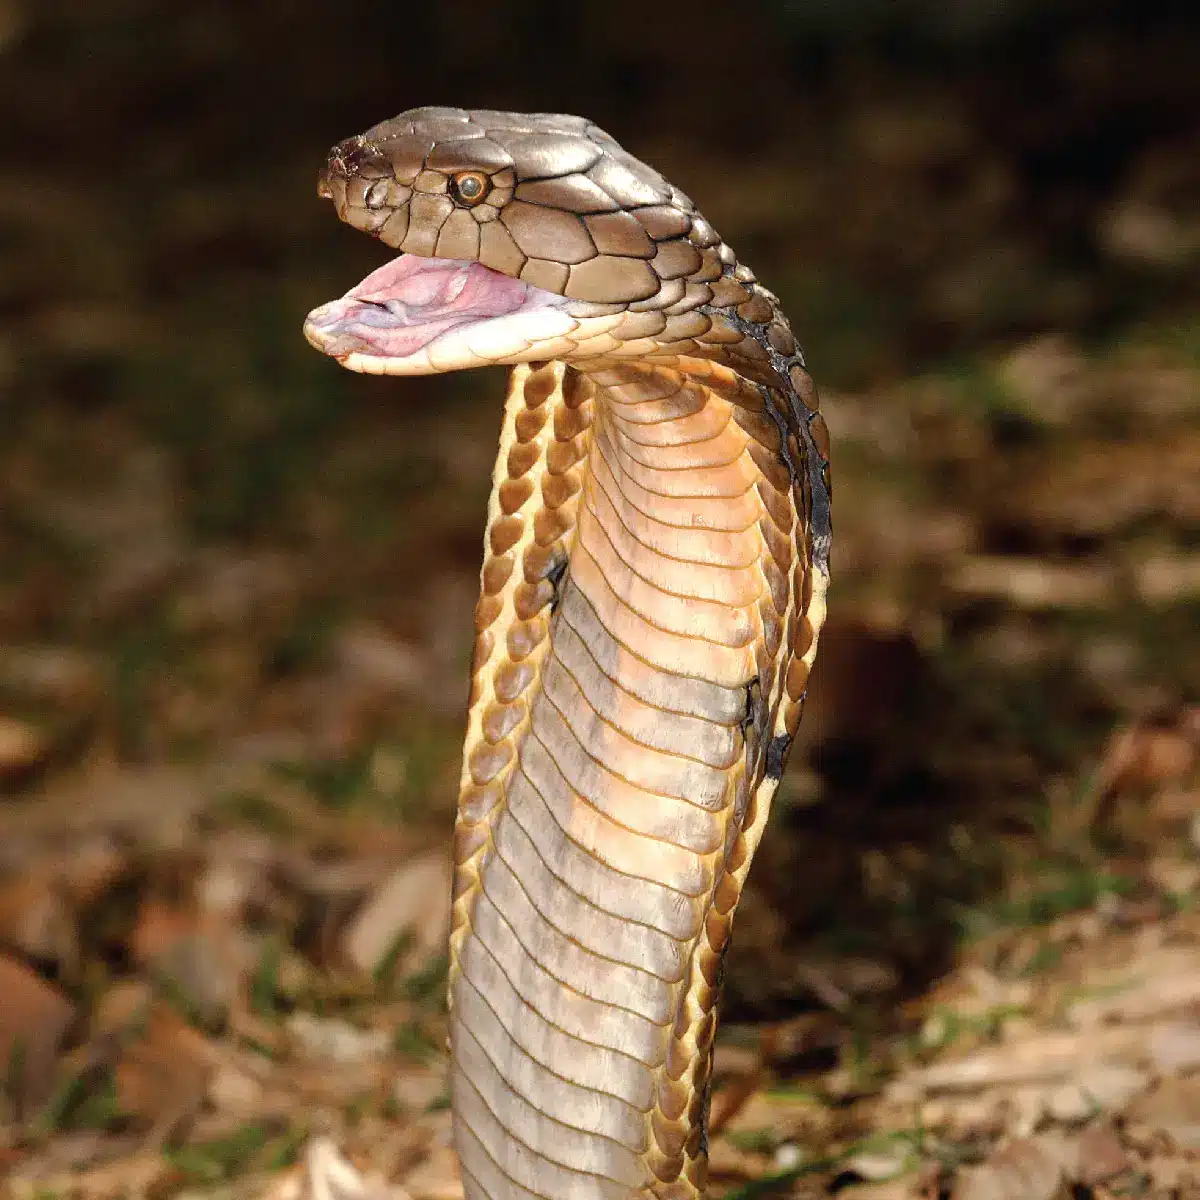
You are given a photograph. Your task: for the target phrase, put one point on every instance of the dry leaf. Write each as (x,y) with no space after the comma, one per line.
(36,918)
(1034,583)
(1156,984)
(1023,1170)
(162,1070)
(413,899)
(34,1019)
(324,1174)
(337,1040)
(22,747)
(1173,1108)
(1099,1156)
(207,960)
(436,1178)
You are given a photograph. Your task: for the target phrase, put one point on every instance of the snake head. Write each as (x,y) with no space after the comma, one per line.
(521,237)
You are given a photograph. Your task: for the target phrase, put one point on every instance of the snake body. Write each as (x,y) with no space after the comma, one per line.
(652,590)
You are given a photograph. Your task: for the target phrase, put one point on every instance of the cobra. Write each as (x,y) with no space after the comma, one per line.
(653,585)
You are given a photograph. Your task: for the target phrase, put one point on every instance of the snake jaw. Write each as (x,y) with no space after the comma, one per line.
(418,316)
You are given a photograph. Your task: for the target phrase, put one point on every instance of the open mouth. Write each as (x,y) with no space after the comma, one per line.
(414,315)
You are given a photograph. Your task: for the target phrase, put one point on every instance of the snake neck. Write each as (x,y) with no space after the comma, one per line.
(644,631)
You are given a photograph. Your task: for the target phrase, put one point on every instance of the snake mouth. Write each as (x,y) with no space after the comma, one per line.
(418,315)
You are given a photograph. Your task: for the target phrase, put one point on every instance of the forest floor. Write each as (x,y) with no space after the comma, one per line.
(236,589)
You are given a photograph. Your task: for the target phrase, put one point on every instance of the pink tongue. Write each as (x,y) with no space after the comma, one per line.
(409,301)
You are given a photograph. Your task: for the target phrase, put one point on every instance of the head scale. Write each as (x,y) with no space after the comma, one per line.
(568,209)
(521,236)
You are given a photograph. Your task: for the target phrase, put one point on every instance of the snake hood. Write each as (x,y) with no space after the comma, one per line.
(526,237)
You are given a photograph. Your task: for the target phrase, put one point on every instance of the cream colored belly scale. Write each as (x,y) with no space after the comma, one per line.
(610,805)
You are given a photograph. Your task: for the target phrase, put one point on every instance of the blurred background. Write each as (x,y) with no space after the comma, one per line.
(236,582)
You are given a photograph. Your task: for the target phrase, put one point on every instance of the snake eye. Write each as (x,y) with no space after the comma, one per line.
(471,187)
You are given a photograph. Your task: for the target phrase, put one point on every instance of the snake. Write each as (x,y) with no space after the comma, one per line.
(653,585)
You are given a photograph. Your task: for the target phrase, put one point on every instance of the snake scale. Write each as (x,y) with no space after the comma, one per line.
(653,585)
